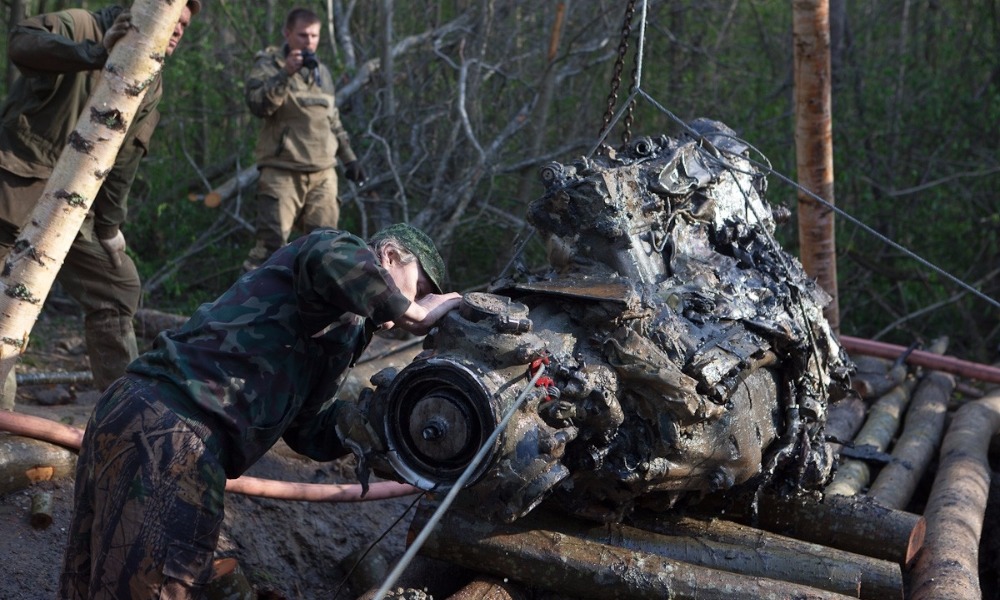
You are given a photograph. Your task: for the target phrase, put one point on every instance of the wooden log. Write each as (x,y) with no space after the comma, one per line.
(489,588)
(24,461)
(877,433)
(543,557)
(864,363)
(915,448)
(232,186)
(777,556)
(875,385)
(149,323)
(855,524)
(844,419)
(948,564)
(54,377)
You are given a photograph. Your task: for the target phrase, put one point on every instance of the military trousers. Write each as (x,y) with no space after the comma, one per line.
(290,201)
(148,501)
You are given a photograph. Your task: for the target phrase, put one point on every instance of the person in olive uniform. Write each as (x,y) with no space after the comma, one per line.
(60,57)
(261,362)
(300,140)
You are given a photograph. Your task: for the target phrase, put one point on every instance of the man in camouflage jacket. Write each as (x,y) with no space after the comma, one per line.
(300,140)
(60,56)
(261,362)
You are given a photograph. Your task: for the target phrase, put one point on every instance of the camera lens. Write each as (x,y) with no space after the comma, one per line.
(309,60)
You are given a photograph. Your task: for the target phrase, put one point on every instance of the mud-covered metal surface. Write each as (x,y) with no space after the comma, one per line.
(685,353)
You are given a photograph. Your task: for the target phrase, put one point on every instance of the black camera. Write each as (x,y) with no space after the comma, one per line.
(309,60)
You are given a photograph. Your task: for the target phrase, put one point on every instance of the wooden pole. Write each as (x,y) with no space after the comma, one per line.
(915,448)
(855,524)
(814,146)
(37,256)
(730,545)
(879,429)
(948,564)
(488,588)
(562,561)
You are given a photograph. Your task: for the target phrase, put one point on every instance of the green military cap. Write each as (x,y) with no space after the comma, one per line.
(421,245)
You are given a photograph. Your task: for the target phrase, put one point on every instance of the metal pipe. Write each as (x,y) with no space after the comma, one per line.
(930,360)
(71,437)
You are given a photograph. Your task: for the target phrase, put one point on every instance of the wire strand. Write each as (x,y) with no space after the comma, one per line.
(371,547)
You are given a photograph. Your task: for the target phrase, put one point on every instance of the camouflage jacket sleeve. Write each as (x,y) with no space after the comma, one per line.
(267,86)
(336,275)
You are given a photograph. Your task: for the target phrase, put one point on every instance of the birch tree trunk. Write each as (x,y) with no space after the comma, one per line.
(814,146)
(37,256)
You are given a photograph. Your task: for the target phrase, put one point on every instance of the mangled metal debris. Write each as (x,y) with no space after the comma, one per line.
(685,352)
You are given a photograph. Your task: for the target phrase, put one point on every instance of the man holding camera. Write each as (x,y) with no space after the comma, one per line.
(300,141)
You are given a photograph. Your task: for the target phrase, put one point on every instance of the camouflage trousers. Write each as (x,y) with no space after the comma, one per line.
(148,502)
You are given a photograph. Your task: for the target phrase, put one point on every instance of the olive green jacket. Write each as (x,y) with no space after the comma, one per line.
(60,56)
(302,129)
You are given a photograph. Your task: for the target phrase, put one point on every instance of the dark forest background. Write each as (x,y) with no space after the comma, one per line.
(453,105)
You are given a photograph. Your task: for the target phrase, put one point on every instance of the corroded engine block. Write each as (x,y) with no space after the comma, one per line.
(685,351)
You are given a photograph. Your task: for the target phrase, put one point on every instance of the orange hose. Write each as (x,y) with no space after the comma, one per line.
(71,437)
(936,362)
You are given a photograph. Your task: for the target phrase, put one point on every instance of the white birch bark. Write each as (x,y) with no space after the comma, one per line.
(32,265)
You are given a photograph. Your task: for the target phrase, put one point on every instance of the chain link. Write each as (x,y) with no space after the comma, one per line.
(628,118)
(616,76)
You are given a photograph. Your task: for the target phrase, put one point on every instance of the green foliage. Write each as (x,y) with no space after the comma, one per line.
(916,116)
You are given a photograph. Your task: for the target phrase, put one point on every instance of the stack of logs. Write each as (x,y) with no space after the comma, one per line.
(875,532)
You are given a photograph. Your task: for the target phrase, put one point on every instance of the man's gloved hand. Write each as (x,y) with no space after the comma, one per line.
(115,247)
(117,30)
(357,435)
(354,172)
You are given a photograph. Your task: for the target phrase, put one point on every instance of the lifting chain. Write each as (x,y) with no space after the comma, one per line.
(616,77)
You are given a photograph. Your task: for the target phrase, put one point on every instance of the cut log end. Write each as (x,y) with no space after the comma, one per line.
(916,541)
(213,199)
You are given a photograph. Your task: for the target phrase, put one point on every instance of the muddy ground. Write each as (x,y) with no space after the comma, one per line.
(286,549)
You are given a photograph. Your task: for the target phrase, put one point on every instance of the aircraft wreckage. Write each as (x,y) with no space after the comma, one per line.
(684,352)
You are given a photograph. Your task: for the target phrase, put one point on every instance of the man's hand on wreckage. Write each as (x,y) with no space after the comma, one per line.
(358,435)
(115,247)
(117,30)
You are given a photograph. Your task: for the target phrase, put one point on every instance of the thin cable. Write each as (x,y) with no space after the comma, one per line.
(455,489)
(639,52)
(357,563)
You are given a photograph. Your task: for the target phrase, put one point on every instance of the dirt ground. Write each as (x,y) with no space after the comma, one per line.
(286,549)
